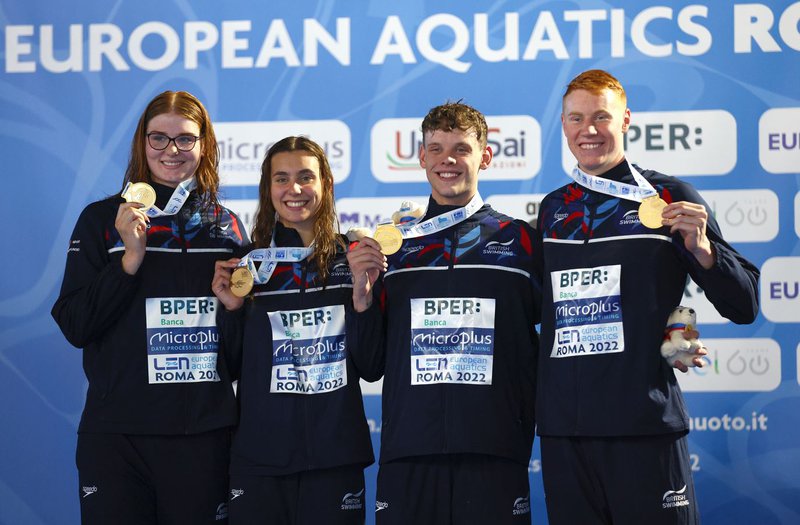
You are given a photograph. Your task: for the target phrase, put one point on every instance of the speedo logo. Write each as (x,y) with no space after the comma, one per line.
(674,498)
(381,505)
(411,249)
(558,217)
(89,490)
(235,493)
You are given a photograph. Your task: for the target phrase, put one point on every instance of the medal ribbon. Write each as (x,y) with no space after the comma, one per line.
(413,229)
(614,188)
(175,202)
(270,257)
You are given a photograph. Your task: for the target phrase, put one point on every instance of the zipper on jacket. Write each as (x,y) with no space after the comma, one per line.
(304,399)
(453,247)
(184,255)
(446,390)
(592,211)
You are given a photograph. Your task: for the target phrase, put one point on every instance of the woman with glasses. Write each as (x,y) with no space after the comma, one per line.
(153,441)
(302,443)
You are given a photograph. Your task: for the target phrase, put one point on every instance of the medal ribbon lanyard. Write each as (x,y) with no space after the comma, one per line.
(411,230)
(270,257)
(622,190)
(175,202)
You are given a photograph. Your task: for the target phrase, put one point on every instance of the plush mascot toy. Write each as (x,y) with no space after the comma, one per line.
(675,347)
(409,211)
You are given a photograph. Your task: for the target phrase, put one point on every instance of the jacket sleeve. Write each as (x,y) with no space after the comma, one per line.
(231,337)
(731,284)
(366,338)
(95,290)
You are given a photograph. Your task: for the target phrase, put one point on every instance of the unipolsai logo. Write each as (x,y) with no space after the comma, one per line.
(515,141)
(394,150)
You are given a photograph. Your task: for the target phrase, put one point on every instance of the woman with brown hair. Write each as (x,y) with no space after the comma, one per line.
(153,441)
(299,452)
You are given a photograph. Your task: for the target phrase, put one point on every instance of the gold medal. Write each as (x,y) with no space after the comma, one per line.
(389,238)
(650,212)
(241,281)
(142,193)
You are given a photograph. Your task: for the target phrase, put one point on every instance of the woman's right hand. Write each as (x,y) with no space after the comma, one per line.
(131,223)
(221,284)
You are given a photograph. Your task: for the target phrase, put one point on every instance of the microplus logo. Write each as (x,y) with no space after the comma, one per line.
(243,145)
(515,142)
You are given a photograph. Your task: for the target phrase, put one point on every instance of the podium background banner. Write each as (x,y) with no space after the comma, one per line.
(714,88)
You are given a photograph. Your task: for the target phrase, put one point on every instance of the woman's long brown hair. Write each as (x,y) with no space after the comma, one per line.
(326,225)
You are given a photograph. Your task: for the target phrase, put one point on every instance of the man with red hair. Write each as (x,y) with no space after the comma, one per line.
(618,245)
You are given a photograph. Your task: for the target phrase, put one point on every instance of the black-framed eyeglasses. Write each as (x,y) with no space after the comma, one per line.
(159,141)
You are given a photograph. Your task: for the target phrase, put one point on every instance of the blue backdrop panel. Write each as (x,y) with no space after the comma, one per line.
(714,88)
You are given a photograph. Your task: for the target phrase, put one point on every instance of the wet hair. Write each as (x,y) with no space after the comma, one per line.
(596,81)
(326,225)
(185,105)
(456,115)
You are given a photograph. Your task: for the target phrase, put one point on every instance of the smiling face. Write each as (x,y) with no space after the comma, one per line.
(296,190)
(595,125)
(452,160)
(171,166)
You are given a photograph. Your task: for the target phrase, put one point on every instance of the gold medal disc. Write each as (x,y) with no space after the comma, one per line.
(650,212)
(389,238)
(241,281)
(142,193)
